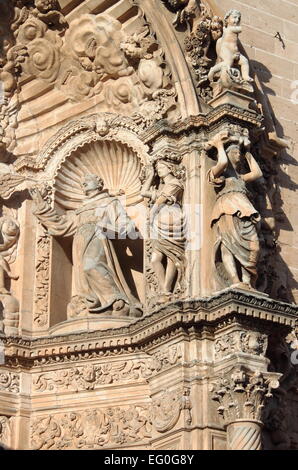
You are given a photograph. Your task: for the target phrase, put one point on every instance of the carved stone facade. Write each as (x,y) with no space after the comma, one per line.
(145,303)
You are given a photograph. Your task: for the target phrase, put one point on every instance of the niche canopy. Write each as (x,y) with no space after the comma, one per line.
(116,163)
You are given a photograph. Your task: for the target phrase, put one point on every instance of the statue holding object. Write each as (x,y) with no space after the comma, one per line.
(166,224)
(235,219)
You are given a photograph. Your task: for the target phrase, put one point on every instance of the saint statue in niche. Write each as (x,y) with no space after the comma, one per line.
(99,282)
(234,217)
(166,224)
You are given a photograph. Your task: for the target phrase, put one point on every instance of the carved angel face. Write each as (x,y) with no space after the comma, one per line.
(46,5)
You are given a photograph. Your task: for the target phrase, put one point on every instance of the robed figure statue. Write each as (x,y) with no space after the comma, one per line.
(99,282)
(234,217)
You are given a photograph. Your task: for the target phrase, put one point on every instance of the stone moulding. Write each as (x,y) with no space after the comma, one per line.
(204,121)
(170,319)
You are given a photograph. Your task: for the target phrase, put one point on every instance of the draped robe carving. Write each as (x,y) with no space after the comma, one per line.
(98,277)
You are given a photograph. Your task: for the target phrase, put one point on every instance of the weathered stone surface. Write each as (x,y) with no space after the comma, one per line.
(148,292)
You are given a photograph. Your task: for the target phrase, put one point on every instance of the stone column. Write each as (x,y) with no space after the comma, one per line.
(242,396)
(244,435)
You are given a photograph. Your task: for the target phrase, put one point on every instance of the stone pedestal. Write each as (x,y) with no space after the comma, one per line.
(233,98)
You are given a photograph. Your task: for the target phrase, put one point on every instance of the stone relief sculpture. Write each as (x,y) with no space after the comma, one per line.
(158,95)
(229,56)
(166,223)
(9,232)
(99,281)
(82,59)
(203,30)
(237,245)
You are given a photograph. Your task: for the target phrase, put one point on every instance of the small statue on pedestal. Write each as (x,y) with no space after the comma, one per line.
(229,57)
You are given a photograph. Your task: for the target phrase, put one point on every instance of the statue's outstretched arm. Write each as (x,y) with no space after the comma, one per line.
(56,224)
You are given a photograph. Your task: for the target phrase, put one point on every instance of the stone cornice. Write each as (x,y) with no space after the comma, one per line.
(203,121)
(170,319)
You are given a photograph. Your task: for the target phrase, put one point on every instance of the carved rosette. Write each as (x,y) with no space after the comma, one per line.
(242,397)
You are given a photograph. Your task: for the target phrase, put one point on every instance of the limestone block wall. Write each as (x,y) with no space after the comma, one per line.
(274,58)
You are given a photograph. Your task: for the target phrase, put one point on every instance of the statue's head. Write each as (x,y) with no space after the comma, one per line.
(234,154)
(92,184)
(164,168)
(167,166)
(232,18)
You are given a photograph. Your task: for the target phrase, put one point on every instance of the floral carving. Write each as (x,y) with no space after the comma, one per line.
(9,382)
(93,375)
(240,341)
(42,270)
(243,394)
(225,345)
(203,30)
(253,343)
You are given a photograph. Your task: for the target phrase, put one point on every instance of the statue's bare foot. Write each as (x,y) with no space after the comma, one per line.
(118,305)
(120,308)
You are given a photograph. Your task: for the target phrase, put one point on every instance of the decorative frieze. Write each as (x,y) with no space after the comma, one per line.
(42,279)
(107,427)
(92,429)
(92,376)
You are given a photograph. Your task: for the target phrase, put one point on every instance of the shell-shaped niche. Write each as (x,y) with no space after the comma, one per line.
(116,163)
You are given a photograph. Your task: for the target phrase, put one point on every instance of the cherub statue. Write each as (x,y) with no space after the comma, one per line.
(228,54)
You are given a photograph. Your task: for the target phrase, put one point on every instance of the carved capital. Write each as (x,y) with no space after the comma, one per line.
(242,397)
(243,394)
